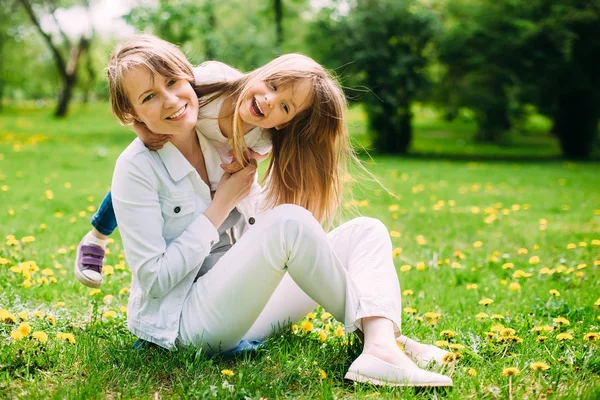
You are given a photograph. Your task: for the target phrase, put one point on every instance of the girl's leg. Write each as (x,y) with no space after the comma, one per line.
(91,249)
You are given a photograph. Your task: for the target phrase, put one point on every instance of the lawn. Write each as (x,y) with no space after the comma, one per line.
(498,260)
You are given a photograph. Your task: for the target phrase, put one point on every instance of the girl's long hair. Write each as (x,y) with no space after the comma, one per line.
(310,155)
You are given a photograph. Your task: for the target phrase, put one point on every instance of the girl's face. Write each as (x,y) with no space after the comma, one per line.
(165,105)
(269,106)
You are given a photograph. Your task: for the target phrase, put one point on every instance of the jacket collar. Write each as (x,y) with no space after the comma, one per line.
(176,164)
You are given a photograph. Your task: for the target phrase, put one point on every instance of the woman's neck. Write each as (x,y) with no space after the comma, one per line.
(188,145)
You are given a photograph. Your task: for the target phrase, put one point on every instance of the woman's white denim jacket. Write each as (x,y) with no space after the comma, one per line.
(159,200)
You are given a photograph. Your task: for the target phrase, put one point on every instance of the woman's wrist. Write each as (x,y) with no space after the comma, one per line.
(217,213)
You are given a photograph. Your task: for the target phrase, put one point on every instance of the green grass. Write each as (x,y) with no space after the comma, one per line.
(441,220)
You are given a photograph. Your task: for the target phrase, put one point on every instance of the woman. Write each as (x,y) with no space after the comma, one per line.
(185,289)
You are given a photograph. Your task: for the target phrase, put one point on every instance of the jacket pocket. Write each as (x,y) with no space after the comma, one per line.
(178,213)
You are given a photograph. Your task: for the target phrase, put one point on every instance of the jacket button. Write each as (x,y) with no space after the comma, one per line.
(177,209)
(251,220)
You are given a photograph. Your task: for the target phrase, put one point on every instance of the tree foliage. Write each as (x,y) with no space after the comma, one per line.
(383,46)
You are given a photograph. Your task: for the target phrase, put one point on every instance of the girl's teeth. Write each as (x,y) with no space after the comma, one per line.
(259,108)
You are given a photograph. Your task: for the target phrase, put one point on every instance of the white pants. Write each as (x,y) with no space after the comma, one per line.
(281,268)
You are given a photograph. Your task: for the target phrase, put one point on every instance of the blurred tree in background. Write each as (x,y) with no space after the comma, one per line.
(500,56)
(498,60)
(383,45)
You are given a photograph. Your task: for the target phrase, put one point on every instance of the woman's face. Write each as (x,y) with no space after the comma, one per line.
(165,105)
(269,106)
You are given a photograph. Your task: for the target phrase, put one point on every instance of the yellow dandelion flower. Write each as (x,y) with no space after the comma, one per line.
(24,328)
(123,291)
(547,328)
(109,314)
(339,331)
(28,239)
(456,346)
(560,269)
(554,292)
(508,266)
(514,286)
(421,266)
(407,292)
(539,366)
(306,326)
(536,329)
(564,336)
(448,358)
(534,260)
(50,318)
(227,372)
(60,304)
(477,244)
(395,234)
(16,335)
(39,314)
(396,252)
(472,372)
(541,338)
(595,242)
(432,315)
(325,316)
(511,371)
(405,268)
(497,316)
(40,336)
(68,337)
(108,299)
(322,374)
(108,270)
(546,271)
(94,292)
(22,315)
(486,302)
(481,316)
(571,246)
(497,328)
(507,332)
(522,251)
(591,336)
(123,309)
(311,315)
(561,321)
(442,343)
(322,335)
(447,334)
(410,310)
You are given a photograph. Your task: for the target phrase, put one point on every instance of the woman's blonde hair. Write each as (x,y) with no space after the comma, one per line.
(158,56)
(309,158)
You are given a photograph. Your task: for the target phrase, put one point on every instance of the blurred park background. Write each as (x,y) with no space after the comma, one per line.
(456,78)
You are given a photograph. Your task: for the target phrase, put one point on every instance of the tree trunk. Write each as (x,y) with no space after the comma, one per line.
(70,78)
(576,123)
(278,9)
(391,127)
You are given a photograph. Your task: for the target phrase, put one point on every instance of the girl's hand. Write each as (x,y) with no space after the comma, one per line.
(235,166)
(232,189)
(153,141)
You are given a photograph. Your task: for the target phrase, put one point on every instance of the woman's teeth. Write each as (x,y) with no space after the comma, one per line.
(178,113)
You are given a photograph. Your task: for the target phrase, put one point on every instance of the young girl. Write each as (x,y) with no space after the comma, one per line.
(170,222)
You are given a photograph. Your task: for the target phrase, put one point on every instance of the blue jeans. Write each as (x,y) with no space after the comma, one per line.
(104,219)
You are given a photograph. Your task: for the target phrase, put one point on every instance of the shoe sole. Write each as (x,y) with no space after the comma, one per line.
(366,379)
(81,277)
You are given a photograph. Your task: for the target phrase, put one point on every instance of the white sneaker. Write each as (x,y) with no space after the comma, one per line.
(370,369)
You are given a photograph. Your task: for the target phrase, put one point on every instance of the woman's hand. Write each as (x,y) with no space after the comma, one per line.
(235,166)
(153,141)
(232,189)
